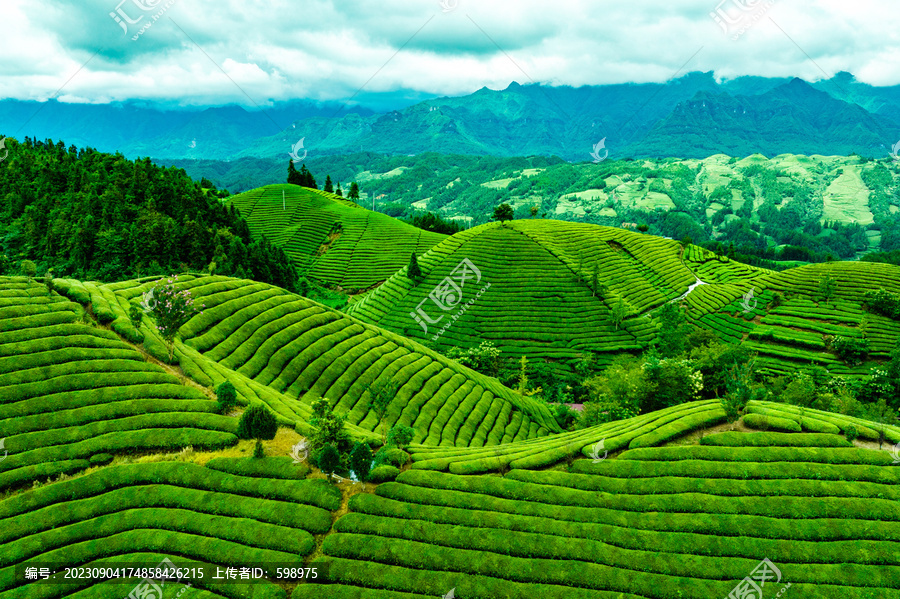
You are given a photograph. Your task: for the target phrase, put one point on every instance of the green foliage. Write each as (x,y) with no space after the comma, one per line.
(383,473)
(400,436)
(29,269)
(716,362)
(361,460)
(226,396)
(135,315)
(852,433)
(412,270)
(852,350)
(884,303)
(827,287)
(673,331)
(329,460)
(328,185)
(353,194)
(171,310)
(484,359)
(503,212)
(429,221)
(257,422)
(100,459)
(381,395)
(303,177)
(281,467)
(329,427)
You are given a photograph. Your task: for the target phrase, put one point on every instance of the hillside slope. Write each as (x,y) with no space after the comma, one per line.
(331,239)
(538,299)
(286,351)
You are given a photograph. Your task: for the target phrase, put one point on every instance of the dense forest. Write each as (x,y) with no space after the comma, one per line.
(91,215)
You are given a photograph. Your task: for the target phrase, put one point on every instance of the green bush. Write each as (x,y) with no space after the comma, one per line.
(851,433)
(763,422)
(226,396)
(100,459)
(361,460)
(383,473)
(852,350)
(393,457)
(268,467)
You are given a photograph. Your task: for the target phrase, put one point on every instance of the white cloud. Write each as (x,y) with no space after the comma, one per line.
(328,49)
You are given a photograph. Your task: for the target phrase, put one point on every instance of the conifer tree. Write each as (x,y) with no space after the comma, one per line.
(413,271)
(328,186)
(354,191)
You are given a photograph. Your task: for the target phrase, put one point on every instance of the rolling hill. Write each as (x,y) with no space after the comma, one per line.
(330,239)
(538,297)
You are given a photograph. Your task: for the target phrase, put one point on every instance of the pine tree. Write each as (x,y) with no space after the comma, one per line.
(328,186)
(339,192)
(413,271)
(354,191)
(294,176)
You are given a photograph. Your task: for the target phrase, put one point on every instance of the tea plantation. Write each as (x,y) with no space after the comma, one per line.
(332,240)
(551,290)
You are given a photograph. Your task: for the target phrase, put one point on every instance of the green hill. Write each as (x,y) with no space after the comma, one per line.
(286,351)
(330,239)
(538,297)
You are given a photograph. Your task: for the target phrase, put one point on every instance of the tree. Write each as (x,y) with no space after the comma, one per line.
(642,228)
(136,314)
(339,192)
(329,426)
(523,379)
(400,435)
(827,287)
(503,212)
(329,460)
(381,395)
(674,330)
(171,310)
(361,460)
(226,396)
(257,422)
(29,269)
(294,177)
(619,312)
(354,192)
(533,210)
(412,270)
(48,281)
(328,186)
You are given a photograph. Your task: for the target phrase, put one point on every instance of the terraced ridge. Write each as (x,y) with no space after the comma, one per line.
(541,302)
(537,299)
(641,431)
(331,239)
(655,523)
(70,393)
(286,351)
(141,513)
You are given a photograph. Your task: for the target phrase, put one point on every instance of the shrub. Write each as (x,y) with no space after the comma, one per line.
(884,303)
(393,457)
(29,269)
(100,459)
(851,350)
(226,396)
(257,422)
(361,460)
(851,433)
(400,435)
(329,460)
(383,473)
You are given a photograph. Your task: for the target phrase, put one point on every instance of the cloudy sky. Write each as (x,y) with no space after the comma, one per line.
(254,52)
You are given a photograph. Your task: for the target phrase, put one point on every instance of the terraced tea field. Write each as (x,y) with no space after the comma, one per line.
(691,521)
(331,239)
(528,287)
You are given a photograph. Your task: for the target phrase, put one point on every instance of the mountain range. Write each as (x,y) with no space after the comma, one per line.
(693,116)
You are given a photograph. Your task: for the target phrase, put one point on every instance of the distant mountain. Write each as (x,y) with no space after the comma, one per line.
(695,116)
(792,118)
(138,130)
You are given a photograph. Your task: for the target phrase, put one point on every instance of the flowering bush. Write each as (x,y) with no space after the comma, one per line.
(171,310)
